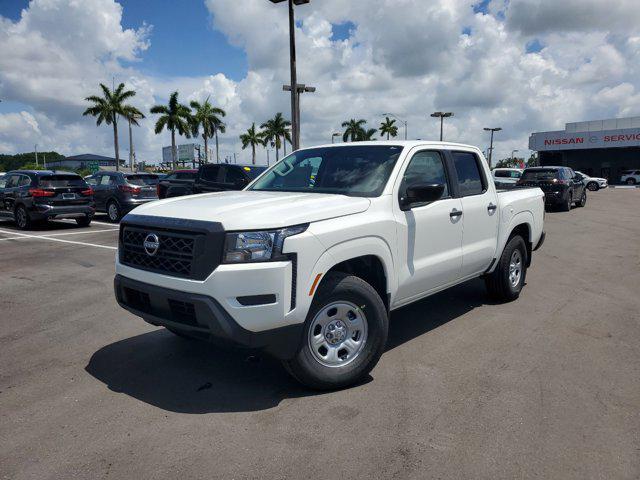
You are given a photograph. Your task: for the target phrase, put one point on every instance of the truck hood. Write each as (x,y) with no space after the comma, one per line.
(252,210)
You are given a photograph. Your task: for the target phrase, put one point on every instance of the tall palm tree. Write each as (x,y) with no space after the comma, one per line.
(206,116)
(132,114)
(174,117)
(218,126)
(388,128)
(366,135)
(274,129)
(253,138)
(353,129)
(107,108)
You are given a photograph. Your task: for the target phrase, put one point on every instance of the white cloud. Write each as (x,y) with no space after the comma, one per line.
(409,57)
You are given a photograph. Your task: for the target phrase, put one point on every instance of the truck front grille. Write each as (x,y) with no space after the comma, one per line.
(188,249)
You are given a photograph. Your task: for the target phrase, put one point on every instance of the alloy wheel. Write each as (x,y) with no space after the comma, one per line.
(515,268)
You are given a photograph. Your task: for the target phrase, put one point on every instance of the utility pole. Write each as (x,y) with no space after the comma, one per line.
(292,63)
(442,116)
(492,130)
(300,88)
(35,148)
(267,157)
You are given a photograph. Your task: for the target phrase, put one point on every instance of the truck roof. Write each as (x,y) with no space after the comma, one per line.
(399,143)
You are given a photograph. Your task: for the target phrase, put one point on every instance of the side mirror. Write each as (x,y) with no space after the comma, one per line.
(420,193)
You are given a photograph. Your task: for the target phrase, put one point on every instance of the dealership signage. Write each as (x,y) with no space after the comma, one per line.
(562,140)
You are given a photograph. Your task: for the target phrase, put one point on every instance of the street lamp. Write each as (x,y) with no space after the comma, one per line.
(335,135)
(492,130)
(442,116)
(300,88)
(292,63)
(400,120)
(512,155)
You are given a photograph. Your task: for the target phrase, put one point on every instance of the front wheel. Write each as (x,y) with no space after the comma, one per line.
(22,219)
(84,221)
(583,199)
(593,186)
(631,181)
(113,211)
(507,280)
(345,334)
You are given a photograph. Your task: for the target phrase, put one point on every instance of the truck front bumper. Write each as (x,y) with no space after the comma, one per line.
(203,317)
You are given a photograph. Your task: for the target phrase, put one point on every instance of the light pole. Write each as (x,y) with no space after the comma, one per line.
(442,116)
(292,63)
(334,135)
(400,120)
(132,152)
(512,155)
(492,130)
(300,88)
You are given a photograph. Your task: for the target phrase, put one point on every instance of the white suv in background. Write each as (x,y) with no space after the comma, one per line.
(593,183)
(630,177)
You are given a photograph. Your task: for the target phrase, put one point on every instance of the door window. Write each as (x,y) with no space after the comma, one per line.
(24,181)
(425,167)
(471,180)
(233,176)
(12,181)
(211,173)
(105,180)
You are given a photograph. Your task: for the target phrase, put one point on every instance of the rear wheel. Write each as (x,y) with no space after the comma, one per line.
(631,181)
(113,211)
(566,206)
(84,221)
(22,219)
(345,334)
(593,186)
(507,280)
(583,199)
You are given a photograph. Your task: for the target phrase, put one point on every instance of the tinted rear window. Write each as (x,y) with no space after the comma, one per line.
(546,174)
(185,175)
(253,172)
(507,174)
(56,181)
(142,180)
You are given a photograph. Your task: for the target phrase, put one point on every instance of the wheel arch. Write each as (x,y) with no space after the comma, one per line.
(368,258)
(521,224)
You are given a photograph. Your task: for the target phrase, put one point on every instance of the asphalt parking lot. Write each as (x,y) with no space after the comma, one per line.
(545,387)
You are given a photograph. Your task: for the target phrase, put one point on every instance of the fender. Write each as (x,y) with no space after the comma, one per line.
(349,249)
(526,218)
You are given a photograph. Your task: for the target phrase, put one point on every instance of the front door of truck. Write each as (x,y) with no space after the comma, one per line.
(429,235)
(480,213)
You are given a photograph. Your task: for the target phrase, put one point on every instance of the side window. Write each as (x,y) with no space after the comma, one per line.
(114,180)
(105,179)
(233,175)
(3,182)
(425,167)
(24,181)
(471,180)
(12,181)
(210,173)
(91,181)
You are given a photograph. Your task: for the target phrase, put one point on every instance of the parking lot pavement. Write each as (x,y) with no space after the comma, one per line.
(544,387)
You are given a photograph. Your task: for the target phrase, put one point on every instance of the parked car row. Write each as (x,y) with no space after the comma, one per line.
(212,177)
(562,187)
(117,193)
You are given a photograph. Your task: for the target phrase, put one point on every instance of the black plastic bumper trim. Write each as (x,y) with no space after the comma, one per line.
(252,300)
(210,319)
(540,242)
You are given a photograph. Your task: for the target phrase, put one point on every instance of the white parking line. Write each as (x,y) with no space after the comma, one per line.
(79,233)
(40,237)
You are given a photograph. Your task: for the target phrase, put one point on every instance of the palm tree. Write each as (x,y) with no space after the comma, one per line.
(174,116)
(253,138)
(366,135)
(132,114)
(353,128)
(206,116)
(388,128)
(218,126)
(107,108)
(274,129)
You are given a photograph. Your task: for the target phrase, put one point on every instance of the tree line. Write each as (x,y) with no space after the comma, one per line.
(206,119)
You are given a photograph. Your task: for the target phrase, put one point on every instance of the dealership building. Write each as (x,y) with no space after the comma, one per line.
(601,148)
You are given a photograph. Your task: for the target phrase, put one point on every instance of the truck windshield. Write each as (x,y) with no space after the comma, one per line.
(357,171)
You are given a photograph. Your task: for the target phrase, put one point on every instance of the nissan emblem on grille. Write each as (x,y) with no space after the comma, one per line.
(151,244)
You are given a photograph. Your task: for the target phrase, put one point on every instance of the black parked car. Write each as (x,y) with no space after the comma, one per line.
(177,183)
(117,193)
(215,177)
(561,186)
(33,196)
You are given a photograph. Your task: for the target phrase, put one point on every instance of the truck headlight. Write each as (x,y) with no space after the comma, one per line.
(257,246)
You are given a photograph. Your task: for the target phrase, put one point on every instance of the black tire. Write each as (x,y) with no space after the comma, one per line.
(113,211)
(583,199)
(339,287)
(499,284)
(22,219)
(631,181)
(84,221)
(566,206)
(593,186)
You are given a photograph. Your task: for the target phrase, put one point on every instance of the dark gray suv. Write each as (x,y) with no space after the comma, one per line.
(117,193)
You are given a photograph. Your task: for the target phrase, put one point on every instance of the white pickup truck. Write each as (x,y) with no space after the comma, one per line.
(307,262)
